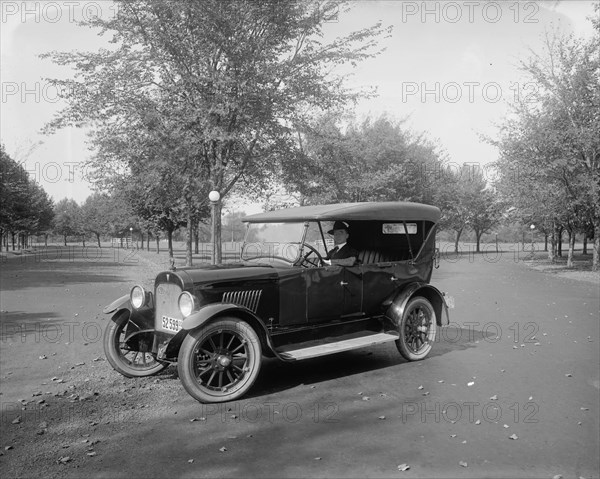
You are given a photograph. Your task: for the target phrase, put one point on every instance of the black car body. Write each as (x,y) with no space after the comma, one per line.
(283,300)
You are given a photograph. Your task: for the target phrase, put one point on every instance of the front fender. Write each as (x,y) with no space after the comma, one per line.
(215,310)
(118,304)
(143,317)
(397,305)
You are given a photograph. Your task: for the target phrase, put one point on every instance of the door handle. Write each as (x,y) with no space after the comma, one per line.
(393,278)
(343,283)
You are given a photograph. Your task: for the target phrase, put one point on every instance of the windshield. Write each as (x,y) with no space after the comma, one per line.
(273,241)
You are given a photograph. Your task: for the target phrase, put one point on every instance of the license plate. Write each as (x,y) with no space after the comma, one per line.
(171,324)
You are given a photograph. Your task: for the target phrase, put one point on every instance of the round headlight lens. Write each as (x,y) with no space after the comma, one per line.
(187,304)
(137,296)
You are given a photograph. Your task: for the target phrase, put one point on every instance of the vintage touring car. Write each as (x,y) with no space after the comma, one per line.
(285,299)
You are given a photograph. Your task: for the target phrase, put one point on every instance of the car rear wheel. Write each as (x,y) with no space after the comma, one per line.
(132,363)
(220,362)
(417,329)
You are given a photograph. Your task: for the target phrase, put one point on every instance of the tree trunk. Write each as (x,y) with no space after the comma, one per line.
(157,244)
(552,250)
(545,241)
(571,249)
(458,233)
(585,240)
(148,242)
(46,240)
(596,248)
(170,244)
(98,238)
(196,239)
(478,235)
(559,240)
(83,240)
(188,237)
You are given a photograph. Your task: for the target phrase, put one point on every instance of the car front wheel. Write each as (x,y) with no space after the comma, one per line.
(220,361)
(130,362)
(417,329)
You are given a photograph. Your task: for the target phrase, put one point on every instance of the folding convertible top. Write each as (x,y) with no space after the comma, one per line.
(383,211)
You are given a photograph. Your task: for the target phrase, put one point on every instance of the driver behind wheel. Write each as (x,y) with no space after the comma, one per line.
(342,254)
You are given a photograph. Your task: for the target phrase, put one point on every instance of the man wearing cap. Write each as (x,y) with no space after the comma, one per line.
(342,254)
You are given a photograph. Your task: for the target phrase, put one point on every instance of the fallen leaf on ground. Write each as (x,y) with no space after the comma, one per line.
(470,383)
(514,437)
(494,397)
(463,464)
(403,467)
(223,449)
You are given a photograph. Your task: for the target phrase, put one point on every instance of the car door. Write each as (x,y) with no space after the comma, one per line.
(353,291)
(379,281)
(324,293)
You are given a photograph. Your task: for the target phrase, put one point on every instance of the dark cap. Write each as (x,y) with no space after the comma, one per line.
(339,225)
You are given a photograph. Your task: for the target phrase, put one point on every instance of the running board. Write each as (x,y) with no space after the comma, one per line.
(295,353)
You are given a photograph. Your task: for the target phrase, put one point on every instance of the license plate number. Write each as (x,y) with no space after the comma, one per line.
(171,324)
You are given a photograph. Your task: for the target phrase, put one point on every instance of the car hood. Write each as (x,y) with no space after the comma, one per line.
(190,278)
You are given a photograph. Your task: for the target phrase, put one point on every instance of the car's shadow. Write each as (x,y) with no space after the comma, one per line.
(277,376)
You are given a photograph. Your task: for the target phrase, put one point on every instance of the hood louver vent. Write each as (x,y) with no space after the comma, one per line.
(248,299)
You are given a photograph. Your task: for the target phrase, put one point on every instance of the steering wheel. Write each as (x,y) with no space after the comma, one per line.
(306,259)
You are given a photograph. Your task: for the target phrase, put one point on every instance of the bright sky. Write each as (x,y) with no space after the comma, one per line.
(449,67)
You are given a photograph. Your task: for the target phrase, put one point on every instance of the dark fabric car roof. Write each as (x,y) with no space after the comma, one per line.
(384,211)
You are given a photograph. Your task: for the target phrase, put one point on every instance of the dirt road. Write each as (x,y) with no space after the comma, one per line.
(511,388)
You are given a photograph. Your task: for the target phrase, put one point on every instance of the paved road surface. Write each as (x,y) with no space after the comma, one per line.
(520,359)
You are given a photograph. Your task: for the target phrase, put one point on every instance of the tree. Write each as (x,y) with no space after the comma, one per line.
(224,81)
(466,201)
(26,207)
(102,214)
(552,139)
(375,160)
(67,218)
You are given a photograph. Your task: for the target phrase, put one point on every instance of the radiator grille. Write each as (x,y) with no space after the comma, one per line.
(248,299)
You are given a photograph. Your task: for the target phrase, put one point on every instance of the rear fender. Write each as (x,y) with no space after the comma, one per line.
(213,311)
(395,310)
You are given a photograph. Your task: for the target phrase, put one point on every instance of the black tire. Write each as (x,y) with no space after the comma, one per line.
(220,361)
(131,364)
(418,329)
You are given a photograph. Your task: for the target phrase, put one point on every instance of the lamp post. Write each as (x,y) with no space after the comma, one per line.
(532,227)
(214,197)
(131,236)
